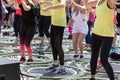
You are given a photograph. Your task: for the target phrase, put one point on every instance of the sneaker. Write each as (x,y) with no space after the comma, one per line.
(99,65)
(76,57)
(53,66)
(81,56)
(16,41)
(30,60)
(60,71)
(102,68)
(48,49)
(41,45)
(22,59)
(113,49)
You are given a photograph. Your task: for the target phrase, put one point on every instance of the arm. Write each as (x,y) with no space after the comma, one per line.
(25,6)
(112,3)
(9,2)
(89,4)
(70,22)
(82,8)
(46,1)
(61,5)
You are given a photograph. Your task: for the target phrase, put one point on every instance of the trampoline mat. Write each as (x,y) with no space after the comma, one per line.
(42,71)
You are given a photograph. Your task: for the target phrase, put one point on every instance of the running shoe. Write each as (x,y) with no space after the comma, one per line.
(53,66)
(76,57)
(60,71)
(16,41)
(22,59)
(30,60)
(99,64)
(81,56)
(113,49)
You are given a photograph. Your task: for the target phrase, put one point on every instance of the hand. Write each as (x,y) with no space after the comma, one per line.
(40,2)
(45,9)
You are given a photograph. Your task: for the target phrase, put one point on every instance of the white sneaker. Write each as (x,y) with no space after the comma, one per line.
(60,71)
(53,66)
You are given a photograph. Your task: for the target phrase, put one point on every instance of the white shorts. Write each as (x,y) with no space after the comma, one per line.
(80,29)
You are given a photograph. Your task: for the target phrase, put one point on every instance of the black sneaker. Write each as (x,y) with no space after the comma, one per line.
(30,60)
(53,66)
(76,57)
(81,56)
(22,59)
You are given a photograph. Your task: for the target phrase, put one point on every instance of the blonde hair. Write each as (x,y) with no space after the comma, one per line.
(75,9)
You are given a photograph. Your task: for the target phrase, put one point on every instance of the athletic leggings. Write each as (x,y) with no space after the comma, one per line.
(26,36)
(105,44)
(17,24)
(56,43)
(44,25)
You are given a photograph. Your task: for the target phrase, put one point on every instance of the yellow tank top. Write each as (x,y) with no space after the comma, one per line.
(103,25)
(58,15)
(47,13)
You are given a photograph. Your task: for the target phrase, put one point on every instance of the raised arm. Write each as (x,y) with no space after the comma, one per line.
(78,6)
(112,3)
(90,3)
(57,6)
(46,1)
(25,6)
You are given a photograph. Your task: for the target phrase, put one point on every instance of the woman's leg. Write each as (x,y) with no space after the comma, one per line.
(79,42)
(74,42)
(105,49)
(96,43)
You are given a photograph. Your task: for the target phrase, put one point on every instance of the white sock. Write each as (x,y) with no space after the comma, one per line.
(76,54)
(81,54)
(62,67)
(55,63)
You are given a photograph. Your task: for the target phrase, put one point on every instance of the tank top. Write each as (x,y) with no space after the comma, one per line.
(103,25)
(47,13)
(58,15)
(18,11)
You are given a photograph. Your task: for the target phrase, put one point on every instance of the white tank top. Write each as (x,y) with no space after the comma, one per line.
(80,20)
